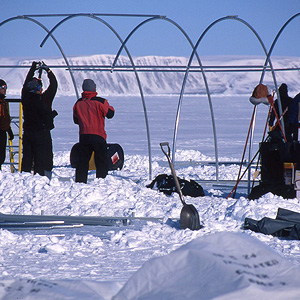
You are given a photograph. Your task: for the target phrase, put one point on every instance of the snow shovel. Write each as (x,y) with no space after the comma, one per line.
(189,217)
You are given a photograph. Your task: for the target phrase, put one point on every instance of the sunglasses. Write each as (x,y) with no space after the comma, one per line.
(3,87)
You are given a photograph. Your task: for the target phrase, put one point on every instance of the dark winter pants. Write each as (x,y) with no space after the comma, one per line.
(37,150)
(3,141)
(89,143)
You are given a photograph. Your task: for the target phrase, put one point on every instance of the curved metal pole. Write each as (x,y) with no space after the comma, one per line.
(192,56)
(54,39)
(129,36)
(123,45)
(209,101)
(255,107)
(134,69)
(201,67)
(268,59)
(142,97)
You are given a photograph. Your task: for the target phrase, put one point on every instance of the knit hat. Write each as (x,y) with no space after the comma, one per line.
(33,85)
(2,82)
(88,85)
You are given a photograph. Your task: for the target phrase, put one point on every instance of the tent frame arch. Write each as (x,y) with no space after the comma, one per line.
(187,69)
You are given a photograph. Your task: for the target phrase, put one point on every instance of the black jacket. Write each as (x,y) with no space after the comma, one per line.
(37,109)
(285,103)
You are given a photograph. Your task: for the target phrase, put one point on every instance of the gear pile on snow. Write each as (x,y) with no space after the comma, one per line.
(286,224)
(276,158)
(279,152)
(165,183)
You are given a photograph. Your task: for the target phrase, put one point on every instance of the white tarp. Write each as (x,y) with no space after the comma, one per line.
(28,289)
(220,266)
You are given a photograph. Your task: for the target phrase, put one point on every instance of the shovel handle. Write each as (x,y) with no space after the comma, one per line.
(165,144)
(167,154)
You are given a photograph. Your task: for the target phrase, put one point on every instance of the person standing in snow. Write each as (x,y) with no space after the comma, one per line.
(294,117)
(285,103)
(89,113)
(38,121)
(4,122)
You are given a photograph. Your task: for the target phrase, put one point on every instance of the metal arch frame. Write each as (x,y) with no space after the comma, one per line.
(188,68)
(201,68)
(50,34)
(133,66)
(189,65)
(95,14)
(268,60)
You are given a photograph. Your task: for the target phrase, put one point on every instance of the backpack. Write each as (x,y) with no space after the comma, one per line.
(165,183)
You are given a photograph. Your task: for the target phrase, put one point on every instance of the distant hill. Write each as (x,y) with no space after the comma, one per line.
(124,83)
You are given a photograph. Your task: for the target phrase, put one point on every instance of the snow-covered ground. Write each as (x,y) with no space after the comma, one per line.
(103,259)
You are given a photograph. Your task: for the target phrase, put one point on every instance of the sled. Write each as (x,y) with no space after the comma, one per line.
(115,156)
(189,217)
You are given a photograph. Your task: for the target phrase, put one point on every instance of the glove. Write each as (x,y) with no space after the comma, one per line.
(45,67)
(10,134)
(35,65)
(270,128)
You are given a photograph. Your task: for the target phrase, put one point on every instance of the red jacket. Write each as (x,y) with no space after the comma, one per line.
(89,113)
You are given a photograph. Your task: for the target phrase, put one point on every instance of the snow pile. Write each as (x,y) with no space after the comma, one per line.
(96,262)
(82,260)
(220,266)
(224,265)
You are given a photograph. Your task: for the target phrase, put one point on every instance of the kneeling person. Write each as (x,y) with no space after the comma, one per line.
(89,113)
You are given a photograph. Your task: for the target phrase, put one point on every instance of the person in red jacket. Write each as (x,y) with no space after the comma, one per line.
(89,112)
(4,122)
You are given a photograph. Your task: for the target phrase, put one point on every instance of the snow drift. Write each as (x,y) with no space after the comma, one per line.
(223,266)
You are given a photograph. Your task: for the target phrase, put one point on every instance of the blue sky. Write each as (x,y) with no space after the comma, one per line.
(85,36)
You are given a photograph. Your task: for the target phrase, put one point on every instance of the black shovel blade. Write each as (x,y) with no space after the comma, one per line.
(189,217)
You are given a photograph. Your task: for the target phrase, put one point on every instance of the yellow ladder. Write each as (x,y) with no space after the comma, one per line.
(15,150)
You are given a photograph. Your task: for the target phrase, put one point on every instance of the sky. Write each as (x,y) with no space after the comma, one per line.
(83,36)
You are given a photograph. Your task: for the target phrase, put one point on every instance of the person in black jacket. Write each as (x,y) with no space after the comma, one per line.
(294,117)
(38,121)
(285,103)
